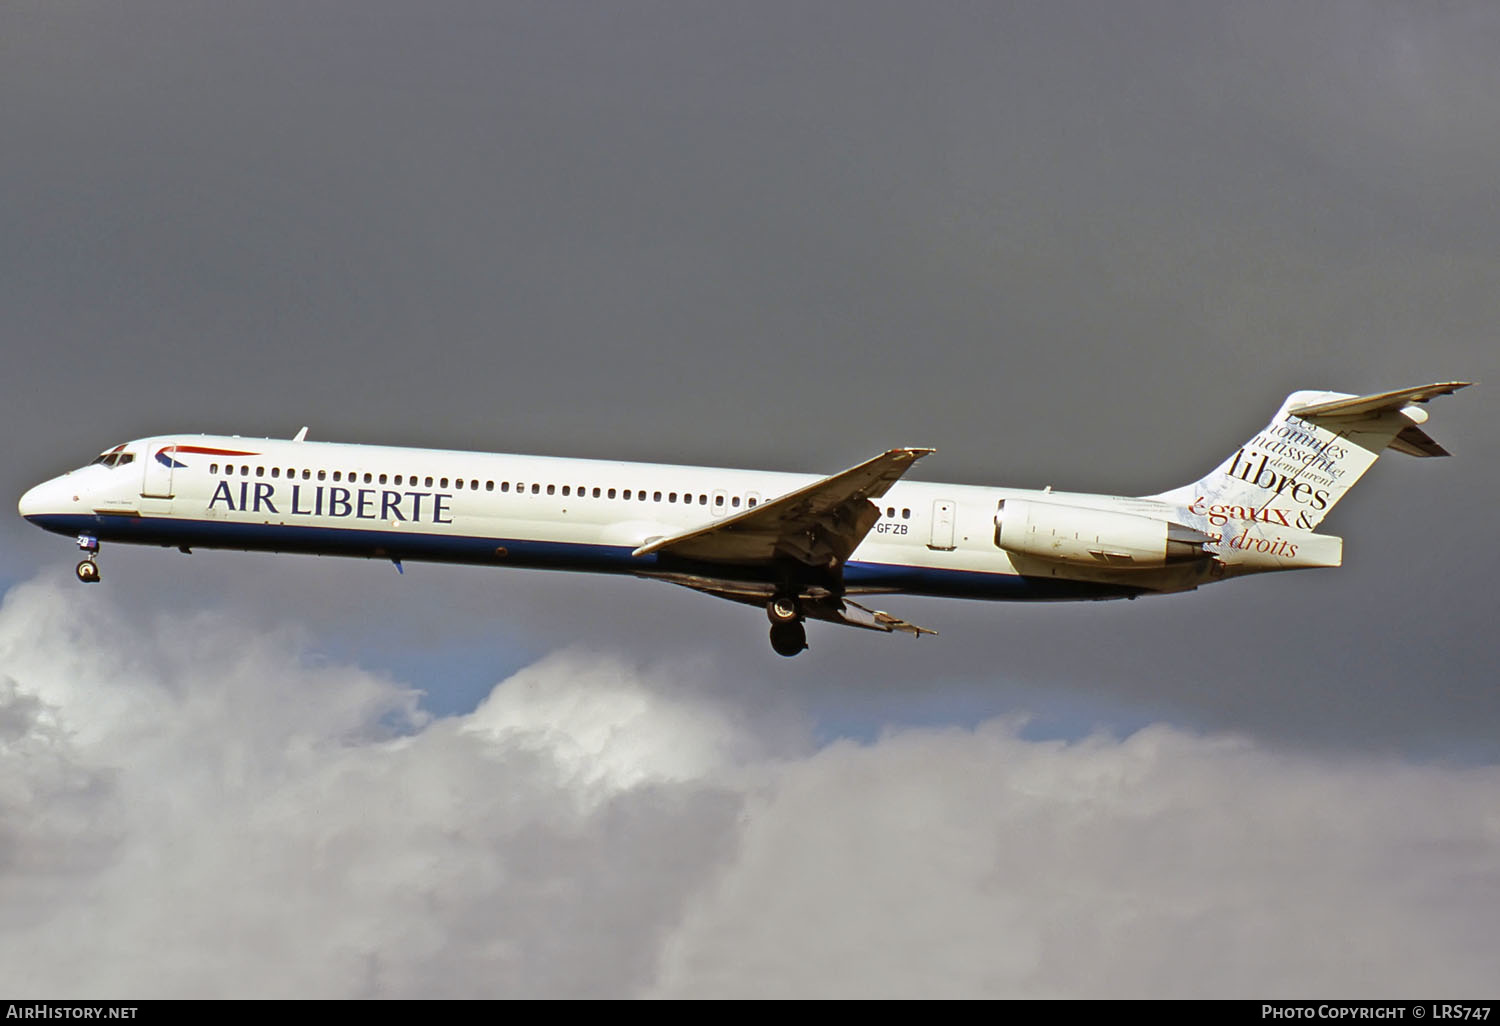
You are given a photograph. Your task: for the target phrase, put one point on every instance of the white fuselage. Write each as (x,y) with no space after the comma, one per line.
(589,515)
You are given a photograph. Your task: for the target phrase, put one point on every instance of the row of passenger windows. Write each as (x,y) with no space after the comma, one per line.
(473,484)
(352,477)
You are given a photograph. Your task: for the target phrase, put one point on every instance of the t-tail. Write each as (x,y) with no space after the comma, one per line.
(1265,501)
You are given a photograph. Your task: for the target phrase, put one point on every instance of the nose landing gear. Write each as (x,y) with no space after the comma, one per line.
(88,570)
(788,636)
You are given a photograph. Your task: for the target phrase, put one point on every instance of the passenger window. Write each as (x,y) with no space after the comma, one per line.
(338,475)
(428,484)
(260,471)
(703,500)
(627,493)
(735,502)
(718,500)
(611,493)
(443,482)
(368,477)
(505,486)
(565,490)
(275,471)
(306,474)
(322,475)
(656,497)
(552,489)
(752,503)
(382,479)
(536,489)
(671,496)
(641,495)
(489,486)
(906,514)
(213,468)
(596,493)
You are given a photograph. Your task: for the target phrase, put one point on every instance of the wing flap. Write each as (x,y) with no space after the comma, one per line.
(853,614)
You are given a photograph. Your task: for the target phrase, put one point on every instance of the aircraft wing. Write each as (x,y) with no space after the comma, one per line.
(819,524)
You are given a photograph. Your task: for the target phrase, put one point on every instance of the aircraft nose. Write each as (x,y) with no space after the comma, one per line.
(45,498)
(30,504)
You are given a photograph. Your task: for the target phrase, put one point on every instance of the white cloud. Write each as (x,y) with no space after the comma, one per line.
(191,807)
(978,863)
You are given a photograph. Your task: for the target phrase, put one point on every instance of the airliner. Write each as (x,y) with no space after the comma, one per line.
(800,546)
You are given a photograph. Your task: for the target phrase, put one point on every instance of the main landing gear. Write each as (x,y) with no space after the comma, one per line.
(788,636)
(88,570)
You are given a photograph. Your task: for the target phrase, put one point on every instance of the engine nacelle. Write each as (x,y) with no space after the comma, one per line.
(1094,537)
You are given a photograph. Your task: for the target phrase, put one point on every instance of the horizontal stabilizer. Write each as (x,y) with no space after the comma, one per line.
(1363,405)
(1411,440)
(1415,442)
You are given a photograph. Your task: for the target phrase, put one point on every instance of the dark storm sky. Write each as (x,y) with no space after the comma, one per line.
(1087,245)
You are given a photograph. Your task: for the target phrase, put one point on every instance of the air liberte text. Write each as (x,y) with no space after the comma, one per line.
(332,501)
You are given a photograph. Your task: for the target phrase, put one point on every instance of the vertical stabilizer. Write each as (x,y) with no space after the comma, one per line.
(1319,444)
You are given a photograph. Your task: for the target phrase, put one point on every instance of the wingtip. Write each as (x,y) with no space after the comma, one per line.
(1438,388)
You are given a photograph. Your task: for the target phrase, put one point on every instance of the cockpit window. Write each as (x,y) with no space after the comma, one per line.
(115,457)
